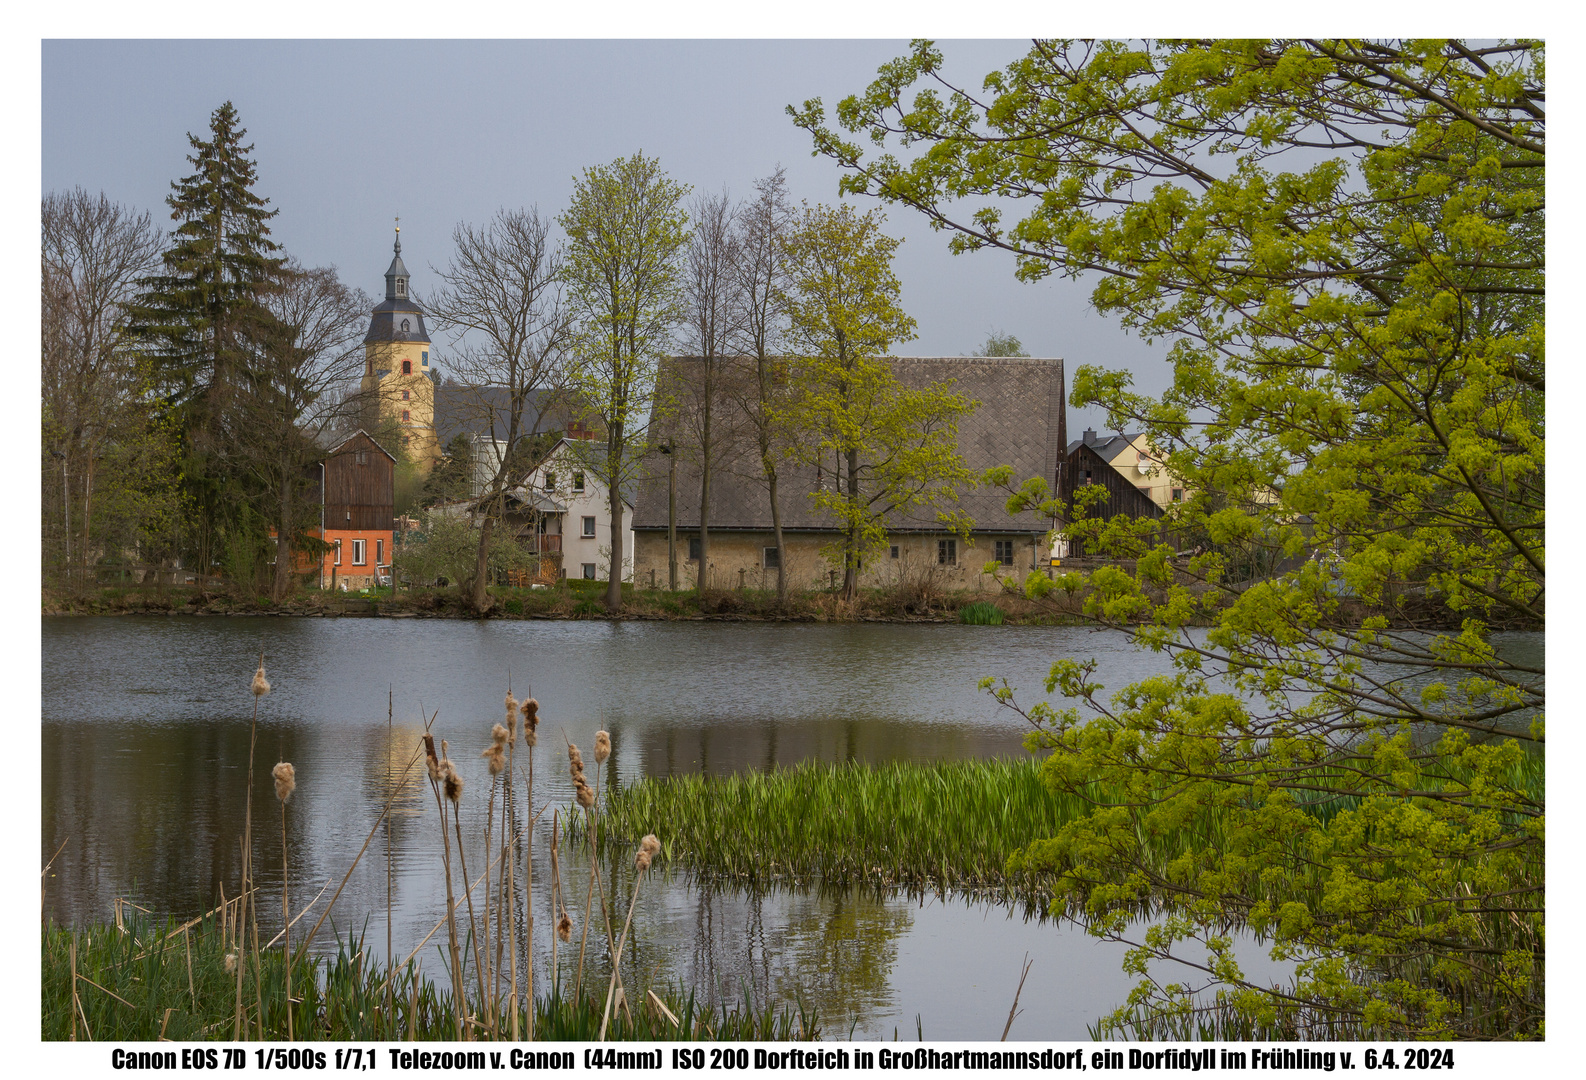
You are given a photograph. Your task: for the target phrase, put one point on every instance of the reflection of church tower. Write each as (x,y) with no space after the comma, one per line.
(397,384)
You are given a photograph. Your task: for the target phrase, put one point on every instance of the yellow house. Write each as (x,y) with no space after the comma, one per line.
(1133,456)
(397,387)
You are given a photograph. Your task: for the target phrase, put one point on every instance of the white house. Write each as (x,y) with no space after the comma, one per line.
(585,524)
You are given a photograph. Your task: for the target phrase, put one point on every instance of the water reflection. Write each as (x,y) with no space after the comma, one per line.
(145,744)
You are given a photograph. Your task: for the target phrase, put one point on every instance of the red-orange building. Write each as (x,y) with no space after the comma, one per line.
(357,498)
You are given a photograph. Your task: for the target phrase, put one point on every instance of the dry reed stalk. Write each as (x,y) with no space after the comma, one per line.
(1014,1010)
(285,783)
(413,1011)
(641,863)
(260,687)
(509,814)
(390,1005)
(451,906)
(530,708)
(454,792)
(187,947)
(76,1007)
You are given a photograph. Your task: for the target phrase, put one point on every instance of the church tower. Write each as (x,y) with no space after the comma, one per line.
(397,386)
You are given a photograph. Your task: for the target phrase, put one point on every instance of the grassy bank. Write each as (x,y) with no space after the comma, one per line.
(574,599)
(145,982)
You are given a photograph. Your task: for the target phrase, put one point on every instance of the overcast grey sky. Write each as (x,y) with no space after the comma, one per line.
(348,134)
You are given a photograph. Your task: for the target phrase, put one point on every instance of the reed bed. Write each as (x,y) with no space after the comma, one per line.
(940,825)
(146,982)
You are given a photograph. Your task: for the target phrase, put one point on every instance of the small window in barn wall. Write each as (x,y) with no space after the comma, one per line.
(947,552)
(589,571)
(359,552)
(1005,552)
(361,457)
(338,552)
(589,527)
(894,551)
(693,549)
(768,558)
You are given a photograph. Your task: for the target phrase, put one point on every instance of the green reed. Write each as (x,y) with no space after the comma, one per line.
(932,825)
(144,982)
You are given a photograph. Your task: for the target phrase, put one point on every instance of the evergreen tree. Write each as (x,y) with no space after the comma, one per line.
(205,320)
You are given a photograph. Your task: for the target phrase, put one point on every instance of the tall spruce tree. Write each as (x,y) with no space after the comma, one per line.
(206,324)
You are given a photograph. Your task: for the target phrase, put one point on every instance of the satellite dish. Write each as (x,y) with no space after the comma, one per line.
(1144,465)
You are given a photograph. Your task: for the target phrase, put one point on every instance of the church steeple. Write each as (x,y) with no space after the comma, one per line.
(396,278)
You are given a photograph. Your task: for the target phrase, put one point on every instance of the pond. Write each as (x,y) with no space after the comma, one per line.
(145,750)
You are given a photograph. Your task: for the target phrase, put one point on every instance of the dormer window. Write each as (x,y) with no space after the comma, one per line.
(405,323)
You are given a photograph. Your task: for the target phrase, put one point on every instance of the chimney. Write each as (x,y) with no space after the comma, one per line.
(1090,437)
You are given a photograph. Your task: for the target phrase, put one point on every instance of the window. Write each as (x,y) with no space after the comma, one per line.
(359,549)
(405,330)
(1178,494)
(768,558)
(578,481)
(379,552)
(589,527)
(338,552)
(947,552)
(404,416)
(1005,552)
(693,549)
(407,365)
(402,290)
(894,551)
(404,395)
(550,481)
(406,439)
(361,457)
(424,357)
(589,571)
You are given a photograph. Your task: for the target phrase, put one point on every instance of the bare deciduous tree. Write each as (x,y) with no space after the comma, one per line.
(502,297)
(712,296)
(760,230)
(98,422)
(295,399)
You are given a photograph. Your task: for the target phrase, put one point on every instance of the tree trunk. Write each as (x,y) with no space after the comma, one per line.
(776,529)
(851,555)
(282,584)
(481,596)
(704,488)
(614,449)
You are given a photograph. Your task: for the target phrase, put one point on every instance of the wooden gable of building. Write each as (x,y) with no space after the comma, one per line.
(1084,467)
(360,485)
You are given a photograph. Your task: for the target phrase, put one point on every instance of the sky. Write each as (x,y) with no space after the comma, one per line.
(348,135)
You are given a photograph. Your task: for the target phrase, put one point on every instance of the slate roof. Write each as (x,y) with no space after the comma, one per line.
(1020,422)
(473,410)
(1110,447)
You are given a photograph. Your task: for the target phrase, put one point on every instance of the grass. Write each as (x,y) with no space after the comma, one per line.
(980,613)
(144,982)
(947,824)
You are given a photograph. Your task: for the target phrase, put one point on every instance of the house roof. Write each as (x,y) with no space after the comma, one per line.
(1110,447)
(484,410)
(333,451)
(1019,422)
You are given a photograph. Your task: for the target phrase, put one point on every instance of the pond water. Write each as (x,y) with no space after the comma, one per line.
(145,749)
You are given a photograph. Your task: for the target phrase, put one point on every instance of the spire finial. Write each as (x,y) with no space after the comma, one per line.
(397,247)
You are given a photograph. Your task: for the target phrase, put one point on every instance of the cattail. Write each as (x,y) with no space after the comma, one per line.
(531,721)
(453,784)
(231,962)
(285,780)
(575,759)
(512,707)
(564,928)
(647,850)
(495,756)
(602,747)
(586,795)
(499,736)
(434,768)
(261,685)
